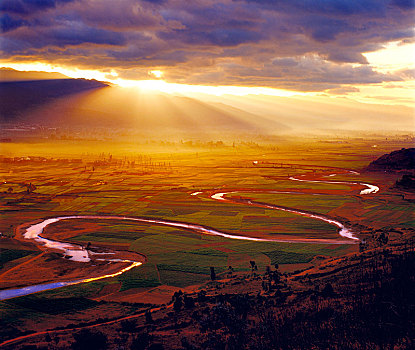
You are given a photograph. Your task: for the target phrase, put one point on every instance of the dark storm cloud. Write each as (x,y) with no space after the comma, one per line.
(296,44)
(217,37)
(219,24)
(9,23)
(29,6)
(305,74)
(405,4)
(332,7)
(61,34)
(75,33)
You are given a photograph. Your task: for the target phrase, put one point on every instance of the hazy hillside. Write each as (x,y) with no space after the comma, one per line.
(83,103)
(157,113)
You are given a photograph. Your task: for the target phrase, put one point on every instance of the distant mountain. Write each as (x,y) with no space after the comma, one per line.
(155,113)
(84,103)
(9,74)
(18,97)
(404,159)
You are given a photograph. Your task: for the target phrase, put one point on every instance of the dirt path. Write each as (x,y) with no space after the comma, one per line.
(32,335)
(22,264)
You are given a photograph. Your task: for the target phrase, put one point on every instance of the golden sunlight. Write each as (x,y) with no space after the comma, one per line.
(156,73)
(171,88)
(207,174)
(394,56)
(151,84)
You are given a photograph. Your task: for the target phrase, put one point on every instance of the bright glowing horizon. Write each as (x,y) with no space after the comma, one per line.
(150,84)
(392,59)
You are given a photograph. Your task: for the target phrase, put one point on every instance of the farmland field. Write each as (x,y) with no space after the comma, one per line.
(176,186)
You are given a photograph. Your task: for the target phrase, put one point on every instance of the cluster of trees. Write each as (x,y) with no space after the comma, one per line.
(368,307)
(141,162)
(181,300)
(379,238)
(272,279)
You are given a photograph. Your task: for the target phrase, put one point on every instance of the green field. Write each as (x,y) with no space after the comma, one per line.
(8,255)
(177,257)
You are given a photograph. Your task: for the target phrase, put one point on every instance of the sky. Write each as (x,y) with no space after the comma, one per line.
(360,49)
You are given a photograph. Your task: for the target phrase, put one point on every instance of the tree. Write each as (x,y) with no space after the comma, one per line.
(201,296)
(265,286)
(128,326)
(253,265)
(86,340)
(178,300)
(276,277)
(212,273)
(328,290)
(149,318)
(141,342)
(189,303)
(30,188)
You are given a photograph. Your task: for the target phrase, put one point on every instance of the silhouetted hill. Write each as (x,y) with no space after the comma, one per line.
(396,160)
(407,182)
(18,96)
(10,74)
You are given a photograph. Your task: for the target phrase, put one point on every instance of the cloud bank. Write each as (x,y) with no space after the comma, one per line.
(305,45)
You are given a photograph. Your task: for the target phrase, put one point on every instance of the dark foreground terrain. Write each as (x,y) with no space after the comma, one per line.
(364,300)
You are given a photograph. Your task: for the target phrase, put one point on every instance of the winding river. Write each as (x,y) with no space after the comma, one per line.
(370,188)
(77,253)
